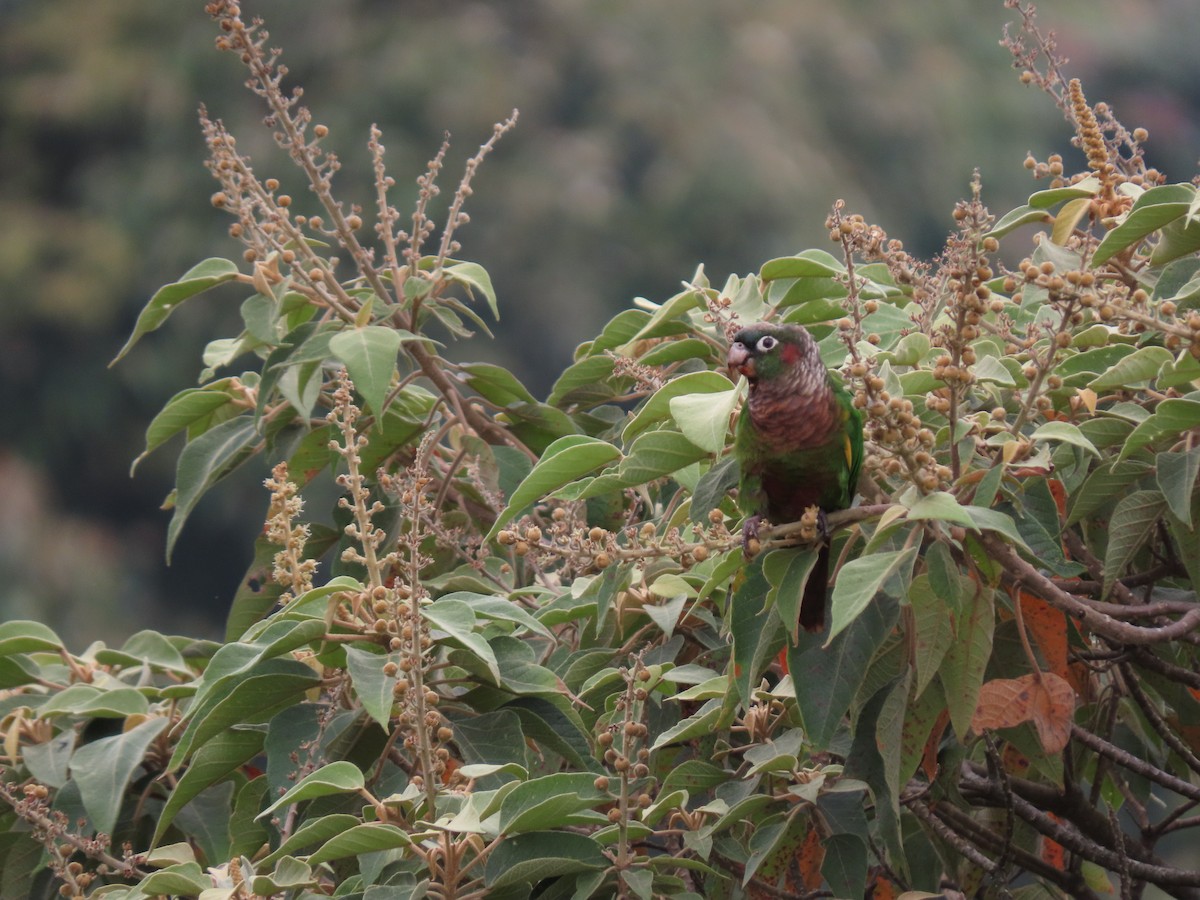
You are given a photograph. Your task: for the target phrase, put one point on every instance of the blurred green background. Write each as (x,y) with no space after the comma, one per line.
(653,136)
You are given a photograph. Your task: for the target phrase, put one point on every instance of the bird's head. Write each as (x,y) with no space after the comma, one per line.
(766,351)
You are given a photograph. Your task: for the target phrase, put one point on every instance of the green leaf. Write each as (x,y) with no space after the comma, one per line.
(933,626)
(827,679)
(700,723)
(184,410)
(313,831)
(102,770)
(754,628)
(1014,219)
(498,609)
(212,762)
(87,700)
(809,264)
(371,684)
(1134,370)
(1066,433)
(183,880)
(1178,238)
(497,384)
(476,279)
(370,837)
(1050,197)
(941,506)
(1101,486)
(658,406)
(1176,476)
(565,460)
(859,581)
(1131,525)
(1171,418)
(544,802)
(1150,212)
(369,355)
(243,699)
(457,619)
(788,571)
(339,777)
(657,453)
(845,865)
(540,855)
(584,382)
(704,418)
(204,462)
(201,277)
(23,636)
(967,657)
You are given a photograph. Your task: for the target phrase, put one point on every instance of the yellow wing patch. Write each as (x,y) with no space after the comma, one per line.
(849,452)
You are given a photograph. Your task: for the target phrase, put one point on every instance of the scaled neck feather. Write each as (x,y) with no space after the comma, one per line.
(796,408)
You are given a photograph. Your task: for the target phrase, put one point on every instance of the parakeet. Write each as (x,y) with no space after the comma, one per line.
(799,440)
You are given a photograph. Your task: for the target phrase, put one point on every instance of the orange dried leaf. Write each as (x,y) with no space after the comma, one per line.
(1048,628)
(1053,853)
(929,763)
(1045,699)
(1003,703)
(812,857)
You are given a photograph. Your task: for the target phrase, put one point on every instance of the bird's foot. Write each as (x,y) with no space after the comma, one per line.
(822,525)
(750,545)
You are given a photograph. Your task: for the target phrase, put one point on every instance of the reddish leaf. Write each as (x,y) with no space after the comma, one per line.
(1053,853)
(1045,699)
(1048,627)
(929,763)
(1014,761)
(812,857)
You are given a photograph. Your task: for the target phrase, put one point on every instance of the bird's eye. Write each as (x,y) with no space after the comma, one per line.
(766,343)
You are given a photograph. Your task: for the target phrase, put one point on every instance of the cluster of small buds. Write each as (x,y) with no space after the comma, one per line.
(645,378)
(624,744)
(902,439)
(855,233)
(718,310)
(291,570)
(810,523)
(583,548)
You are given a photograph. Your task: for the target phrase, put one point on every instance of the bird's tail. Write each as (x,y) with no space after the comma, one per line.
(812,604)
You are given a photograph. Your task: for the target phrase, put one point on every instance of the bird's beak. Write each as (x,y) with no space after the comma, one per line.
(739,361)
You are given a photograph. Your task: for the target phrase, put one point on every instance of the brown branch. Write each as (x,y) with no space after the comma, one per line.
(1020,572)
(1133,764)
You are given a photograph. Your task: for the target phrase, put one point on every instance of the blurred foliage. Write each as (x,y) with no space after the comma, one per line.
(652,136)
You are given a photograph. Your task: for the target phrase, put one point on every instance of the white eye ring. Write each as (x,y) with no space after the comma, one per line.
(766,343)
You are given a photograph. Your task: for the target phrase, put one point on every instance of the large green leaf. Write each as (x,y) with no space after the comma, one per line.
(201,277)
(369,837)
(565,460)
(704,418)
(1150,212)
(1131,525)
(372,685)
(859,581)
(339,777)
(457,620)
(103,768)
(1176,475)
(204,462)
(1134,369)
(542,803)
(658,406)
(539,855)
(967,657)
(184,411)
(212,762)
(369,355)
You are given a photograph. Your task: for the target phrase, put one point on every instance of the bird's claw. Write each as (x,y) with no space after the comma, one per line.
(822,525)
(750,534)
